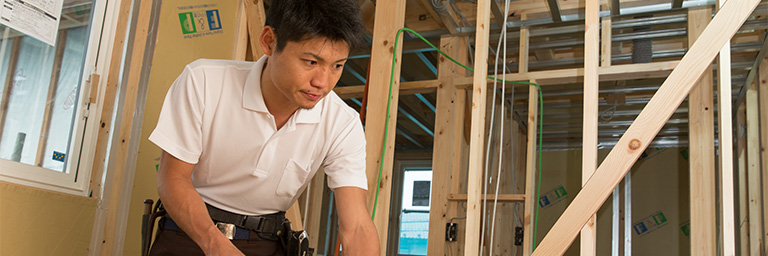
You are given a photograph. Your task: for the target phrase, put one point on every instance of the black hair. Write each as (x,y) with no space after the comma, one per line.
(297,20)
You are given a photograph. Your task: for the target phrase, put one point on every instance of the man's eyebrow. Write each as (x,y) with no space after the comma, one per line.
(321,58)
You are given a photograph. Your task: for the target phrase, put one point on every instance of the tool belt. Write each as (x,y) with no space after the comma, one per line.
(269,227)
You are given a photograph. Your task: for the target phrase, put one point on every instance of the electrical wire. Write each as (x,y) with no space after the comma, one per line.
(495,78)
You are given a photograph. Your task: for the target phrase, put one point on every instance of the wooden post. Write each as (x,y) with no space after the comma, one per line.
(605,39)
(591,94)
(763,91)
(725,138)
(314,212)
(443,147)
(53,84)
(107,109)
(390,17)
(741,154)
(653,117)
(531,202)
(254,11)
(753,170)
(121,154)
(476,147)
(702,150)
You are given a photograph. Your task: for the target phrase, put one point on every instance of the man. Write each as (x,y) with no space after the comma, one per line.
(241,140)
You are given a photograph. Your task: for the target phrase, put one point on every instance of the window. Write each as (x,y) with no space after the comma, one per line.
(43,107)
(414,217)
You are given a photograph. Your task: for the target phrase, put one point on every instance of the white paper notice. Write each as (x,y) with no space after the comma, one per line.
(36,18)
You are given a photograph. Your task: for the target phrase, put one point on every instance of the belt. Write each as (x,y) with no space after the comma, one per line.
(269,226)
(239,233)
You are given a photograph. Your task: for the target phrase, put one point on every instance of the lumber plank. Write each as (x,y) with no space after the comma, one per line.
(530,171)
(8,85)
(314,212)
(605,40)
(669,96)
(389,17)
(725,139)
(241,37)
(591,101)
(763,91)
(477,130)
(254,11)
(753,170)
(443,147)
(741,157)
(140,35)
(702,150)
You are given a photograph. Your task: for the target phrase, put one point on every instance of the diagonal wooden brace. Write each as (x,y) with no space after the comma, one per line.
(646,126)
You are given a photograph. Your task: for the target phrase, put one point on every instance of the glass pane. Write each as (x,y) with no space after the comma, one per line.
(414,218)
(40,98)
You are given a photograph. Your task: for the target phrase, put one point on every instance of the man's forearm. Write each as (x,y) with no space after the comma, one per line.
(361,240)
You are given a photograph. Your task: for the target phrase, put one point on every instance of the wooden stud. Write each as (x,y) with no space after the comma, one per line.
(314,212)
(460,152)
(443,145)
(390,17)
(702,150)
(476,145)
(531,205)
(741,157)
(53,84)
(763,91)
(107,109)
(725,138)
(121,155)
(525,41)
(241,38)
(605,40)
(294,215)
(591,101)
(753,170)
(642,131)
(9,77)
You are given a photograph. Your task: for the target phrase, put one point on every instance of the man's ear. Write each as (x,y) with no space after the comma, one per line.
(268,40)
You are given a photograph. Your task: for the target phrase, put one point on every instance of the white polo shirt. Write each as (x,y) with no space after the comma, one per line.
(214,116)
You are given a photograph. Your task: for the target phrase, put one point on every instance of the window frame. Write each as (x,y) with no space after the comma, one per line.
(84,134)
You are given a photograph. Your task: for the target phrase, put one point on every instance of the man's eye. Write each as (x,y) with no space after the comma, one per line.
(311,62)
(339,66)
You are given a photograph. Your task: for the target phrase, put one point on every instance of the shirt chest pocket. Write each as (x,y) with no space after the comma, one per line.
(294,176)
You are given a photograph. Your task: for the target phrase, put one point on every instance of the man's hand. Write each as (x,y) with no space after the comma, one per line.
(358,234)
(186,207)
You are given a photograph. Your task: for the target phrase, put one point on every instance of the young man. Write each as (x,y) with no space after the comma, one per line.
(241,140)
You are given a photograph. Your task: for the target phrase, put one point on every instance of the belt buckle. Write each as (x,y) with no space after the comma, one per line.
(227,229)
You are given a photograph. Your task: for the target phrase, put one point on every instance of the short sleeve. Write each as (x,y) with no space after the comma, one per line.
(345,163)
(179,127)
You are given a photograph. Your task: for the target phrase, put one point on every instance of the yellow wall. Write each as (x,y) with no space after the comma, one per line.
(659,183)
(172,52)
(41,222)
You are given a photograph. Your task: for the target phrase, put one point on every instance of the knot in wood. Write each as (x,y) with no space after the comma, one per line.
(634,144)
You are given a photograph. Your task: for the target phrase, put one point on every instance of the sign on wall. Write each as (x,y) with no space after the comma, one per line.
(199,20)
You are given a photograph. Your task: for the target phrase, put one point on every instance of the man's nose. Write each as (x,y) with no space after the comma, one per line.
(320,78)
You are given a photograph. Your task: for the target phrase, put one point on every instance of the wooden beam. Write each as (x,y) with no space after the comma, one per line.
(501,197)
(254,11)
(479,91)
(591,101)
(314,212)
(702,150)
(9,80)
(131,84)
(390,17)
(524,48)
(241,37)
(531,205)
(725,139)
(669,96)
(763,90)
(549,77)
(753,170)
(443,149)
(752,71)
(605,40)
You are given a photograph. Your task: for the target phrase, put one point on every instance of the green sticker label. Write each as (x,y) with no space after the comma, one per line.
(686,228)
(187,23)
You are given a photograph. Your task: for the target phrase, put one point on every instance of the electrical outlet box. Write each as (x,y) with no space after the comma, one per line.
(518,236)
(450,231)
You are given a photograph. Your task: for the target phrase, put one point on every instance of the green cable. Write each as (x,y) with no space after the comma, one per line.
(389,102)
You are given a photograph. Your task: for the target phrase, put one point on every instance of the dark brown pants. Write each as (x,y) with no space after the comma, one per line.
(176,242)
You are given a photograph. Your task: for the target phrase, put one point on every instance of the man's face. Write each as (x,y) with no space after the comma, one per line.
(304,72)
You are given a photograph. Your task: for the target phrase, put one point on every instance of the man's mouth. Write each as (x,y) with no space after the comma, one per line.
(312,96)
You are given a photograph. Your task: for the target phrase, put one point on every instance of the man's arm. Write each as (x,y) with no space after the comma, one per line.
(186,207)
(358,234)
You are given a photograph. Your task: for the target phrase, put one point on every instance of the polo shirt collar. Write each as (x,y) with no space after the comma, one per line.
(254,100)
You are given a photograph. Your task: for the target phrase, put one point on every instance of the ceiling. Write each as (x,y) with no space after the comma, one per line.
(556,44)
